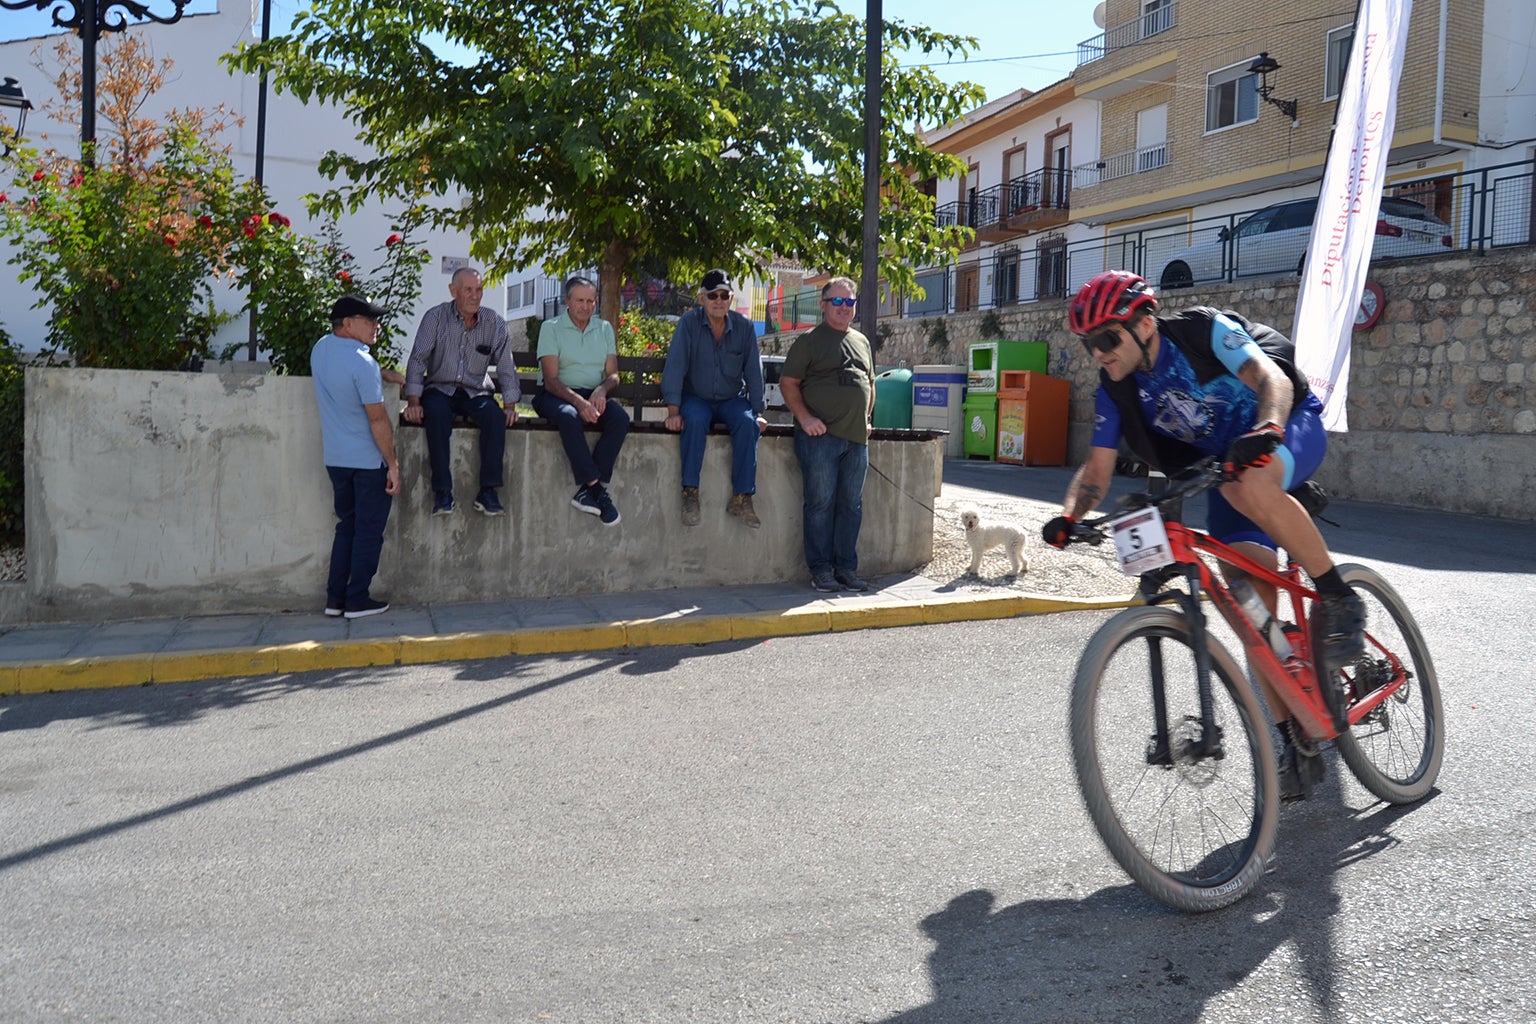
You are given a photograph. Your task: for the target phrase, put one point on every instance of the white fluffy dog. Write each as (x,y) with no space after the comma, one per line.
(983,535)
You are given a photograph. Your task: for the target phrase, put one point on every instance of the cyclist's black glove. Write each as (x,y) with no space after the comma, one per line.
(1253,449)
(1058,532)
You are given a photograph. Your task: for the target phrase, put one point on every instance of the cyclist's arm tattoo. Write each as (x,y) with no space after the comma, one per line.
(1086,500)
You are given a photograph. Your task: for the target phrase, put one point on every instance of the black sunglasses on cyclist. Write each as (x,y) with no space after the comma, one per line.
(1104,341)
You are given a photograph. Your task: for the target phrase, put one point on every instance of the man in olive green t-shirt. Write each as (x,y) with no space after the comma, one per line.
(828,384)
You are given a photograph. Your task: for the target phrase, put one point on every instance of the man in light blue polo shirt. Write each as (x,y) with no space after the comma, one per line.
(359,445)
(579,363)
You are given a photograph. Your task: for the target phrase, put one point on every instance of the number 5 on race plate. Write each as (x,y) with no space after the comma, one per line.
(1141,543)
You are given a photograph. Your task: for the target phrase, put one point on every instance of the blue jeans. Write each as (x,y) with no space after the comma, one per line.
(832,471)
(437,413)
(362,509)
(592,464)
(736,413)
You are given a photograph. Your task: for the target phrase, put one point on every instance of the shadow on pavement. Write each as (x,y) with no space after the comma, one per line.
(1117,955)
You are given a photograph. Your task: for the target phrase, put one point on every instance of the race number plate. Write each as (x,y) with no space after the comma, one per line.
(1141,543)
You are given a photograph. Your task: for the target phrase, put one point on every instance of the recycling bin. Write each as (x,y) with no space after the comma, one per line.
(893,399)
(1032,419)
(990,358)
(981,425)
(938,392)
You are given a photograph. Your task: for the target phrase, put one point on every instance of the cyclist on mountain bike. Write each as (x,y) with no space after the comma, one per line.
(1205,382)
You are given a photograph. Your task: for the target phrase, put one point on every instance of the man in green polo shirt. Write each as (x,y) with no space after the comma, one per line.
(579,362)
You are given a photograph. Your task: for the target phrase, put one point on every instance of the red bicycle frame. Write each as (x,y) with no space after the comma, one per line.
(1295,678)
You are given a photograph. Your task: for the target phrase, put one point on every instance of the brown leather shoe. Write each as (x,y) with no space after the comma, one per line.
(690,506)
(741,507)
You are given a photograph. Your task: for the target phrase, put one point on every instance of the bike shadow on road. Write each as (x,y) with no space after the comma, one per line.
(1116,954)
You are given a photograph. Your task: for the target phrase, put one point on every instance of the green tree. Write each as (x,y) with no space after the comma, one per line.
(639,133)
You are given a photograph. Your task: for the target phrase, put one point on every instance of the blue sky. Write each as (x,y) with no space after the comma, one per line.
(1021,45)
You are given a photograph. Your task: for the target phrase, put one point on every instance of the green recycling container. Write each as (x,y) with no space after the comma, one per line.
(893,399)
(979,423)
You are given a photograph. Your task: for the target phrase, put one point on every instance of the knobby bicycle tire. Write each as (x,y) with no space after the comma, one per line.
(1396,750)
(1195,834)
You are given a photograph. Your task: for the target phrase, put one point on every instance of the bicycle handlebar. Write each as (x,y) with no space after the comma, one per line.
(1196,479)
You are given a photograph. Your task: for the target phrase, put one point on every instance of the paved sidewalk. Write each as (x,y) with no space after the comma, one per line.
(60,656)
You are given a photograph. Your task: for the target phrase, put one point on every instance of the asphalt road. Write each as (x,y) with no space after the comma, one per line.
(877,826)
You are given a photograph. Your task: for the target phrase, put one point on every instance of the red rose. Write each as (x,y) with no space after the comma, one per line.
(344,277)
(170,240)
(205,220)
(39,176)
(393,240)
(3,199)
(76,181)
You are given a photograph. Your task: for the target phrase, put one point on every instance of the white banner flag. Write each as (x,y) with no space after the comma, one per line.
(1339,253)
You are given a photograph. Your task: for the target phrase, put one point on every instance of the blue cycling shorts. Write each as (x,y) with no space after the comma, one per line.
(1306,442)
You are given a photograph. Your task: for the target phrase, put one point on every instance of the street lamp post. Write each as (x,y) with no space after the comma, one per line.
(89,19)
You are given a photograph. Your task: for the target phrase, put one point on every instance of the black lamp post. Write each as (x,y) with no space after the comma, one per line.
(89,19)
(1264,65)
(13,98)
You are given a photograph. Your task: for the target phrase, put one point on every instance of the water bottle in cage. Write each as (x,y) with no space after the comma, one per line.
(1270,629)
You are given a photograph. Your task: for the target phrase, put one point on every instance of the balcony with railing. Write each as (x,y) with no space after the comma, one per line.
(1122,165)
(1032,202)
(1149,23)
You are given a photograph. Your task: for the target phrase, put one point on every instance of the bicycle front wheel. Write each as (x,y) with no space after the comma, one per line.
(1193,829)
(1395,750)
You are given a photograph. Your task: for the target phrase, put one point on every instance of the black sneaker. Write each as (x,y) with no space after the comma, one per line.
(585,500)
(486,502)
(826,583)
(850,581)
(333,611)
(1300,773)
(606,513)
(1341,629)
(442,503)
(367,608)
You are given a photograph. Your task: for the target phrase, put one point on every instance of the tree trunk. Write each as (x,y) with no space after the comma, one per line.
(611,279)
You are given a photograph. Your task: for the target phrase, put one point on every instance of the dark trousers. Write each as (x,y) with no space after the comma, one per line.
(362,510)
(832,471)
(438,411)
(597,462)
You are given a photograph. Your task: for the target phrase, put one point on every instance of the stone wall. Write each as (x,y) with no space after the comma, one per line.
(1442,389)
(180,493)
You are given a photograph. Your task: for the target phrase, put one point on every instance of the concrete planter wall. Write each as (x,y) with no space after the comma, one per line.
(166,493)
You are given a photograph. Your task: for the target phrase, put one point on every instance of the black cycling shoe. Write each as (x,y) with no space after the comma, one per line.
(1342,629)
(1300,773)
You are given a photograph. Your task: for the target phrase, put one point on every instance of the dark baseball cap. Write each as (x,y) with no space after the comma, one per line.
(716,279)
(356,305)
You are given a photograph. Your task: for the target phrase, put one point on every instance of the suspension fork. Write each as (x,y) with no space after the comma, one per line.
(1159,751)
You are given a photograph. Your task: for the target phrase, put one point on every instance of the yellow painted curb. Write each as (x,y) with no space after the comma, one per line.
(936,612)
(877,616)
(799,622)
(312,656)
(85,673)
(224,663)
(566,641)
(678,630)
(1037,605)
(425,650)
(10,680)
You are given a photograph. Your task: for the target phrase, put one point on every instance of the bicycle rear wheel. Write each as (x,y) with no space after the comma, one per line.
(1395,750)
(1194,832)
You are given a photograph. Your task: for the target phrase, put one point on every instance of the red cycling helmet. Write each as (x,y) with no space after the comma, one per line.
(1111,297)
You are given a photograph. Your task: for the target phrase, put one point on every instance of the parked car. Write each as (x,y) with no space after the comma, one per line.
(772,367)
(1274,241)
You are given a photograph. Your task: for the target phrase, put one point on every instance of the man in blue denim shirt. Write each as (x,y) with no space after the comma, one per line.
(829,385)
(714,374)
